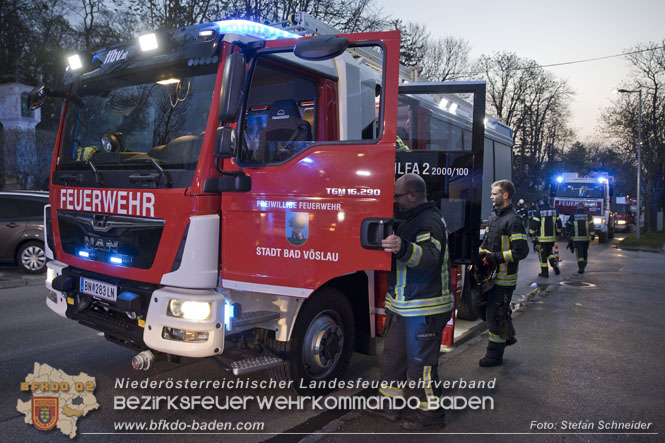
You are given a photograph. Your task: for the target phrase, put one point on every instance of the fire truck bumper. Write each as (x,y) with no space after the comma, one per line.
(56,300)
(186,322)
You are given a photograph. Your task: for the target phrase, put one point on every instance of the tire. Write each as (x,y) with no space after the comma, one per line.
(465,307)
(321,343)
(31,257)
(602,237)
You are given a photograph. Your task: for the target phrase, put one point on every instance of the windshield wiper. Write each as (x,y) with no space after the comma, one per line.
(98,176)
(162,175)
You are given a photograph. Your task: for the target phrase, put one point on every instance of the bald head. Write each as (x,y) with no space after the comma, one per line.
(410,191)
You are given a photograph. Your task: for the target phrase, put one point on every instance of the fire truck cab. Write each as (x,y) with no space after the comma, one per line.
(222,189)
(595,191)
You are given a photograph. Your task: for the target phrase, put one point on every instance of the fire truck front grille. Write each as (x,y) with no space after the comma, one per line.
(126,241)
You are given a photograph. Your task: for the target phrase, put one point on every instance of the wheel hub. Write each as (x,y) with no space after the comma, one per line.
(322,347)
(33,258)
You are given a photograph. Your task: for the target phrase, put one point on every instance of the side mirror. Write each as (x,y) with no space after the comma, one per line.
(37,97)
(319,48)
(232,84)
(225,142)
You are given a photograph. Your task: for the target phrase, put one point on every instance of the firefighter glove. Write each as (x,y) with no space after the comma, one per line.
(491,259)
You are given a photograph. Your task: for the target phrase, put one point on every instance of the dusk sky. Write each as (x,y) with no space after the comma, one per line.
(550,32)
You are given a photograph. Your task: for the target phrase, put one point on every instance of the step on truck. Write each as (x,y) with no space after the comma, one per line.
(222,190)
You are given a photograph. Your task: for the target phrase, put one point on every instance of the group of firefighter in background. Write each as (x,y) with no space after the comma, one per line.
(419,301)
(545,226)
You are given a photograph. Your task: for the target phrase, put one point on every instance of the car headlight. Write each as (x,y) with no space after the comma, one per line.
(598,221)
(189,309)
(621,222)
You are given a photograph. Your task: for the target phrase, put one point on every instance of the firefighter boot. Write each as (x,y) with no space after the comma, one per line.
(494,355)
(420,420)
(544,273)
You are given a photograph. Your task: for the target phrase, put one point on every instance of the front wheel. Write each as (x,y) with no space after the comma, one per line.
(31,258)
(321,344)
(602,237)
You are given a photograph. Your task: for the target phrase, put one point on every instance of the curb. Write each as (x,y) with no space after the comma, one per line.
(641,248)
(20,282)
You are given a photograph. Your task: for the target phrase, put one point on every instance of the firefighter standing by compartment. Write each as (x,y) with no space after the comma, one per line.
(419,303)
(504,245)
(578,230)
(545,225)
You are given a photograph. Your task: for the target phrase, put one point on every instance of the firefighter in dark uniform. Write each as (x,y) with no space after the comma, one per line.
(504,245)
(545,225)
(418,304)
(578,230)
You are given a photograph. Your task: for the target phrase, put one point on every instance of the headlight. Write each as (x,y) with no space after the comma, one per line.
(190,310)
(598,221)
(621,222)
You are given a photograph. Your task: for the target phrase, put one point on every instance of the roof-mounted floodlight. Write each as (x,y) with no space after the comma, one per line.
(252,29)
(74,62)
(148,42)
(559,179)
(207,35)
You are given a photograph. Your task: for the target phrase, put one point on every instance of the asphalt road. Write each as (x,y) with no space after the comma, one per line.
(583,354)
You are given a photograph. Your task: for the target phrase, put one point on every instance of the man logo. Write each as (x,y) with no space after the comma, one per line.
(297,227)
(44,412)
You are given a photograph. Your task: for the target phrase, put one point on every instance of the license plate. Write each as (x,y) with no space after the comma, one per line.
(99,289)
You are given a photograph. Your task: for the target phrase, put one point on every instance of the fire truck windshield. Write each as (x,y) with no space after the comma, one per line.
(580,190)
(125,121)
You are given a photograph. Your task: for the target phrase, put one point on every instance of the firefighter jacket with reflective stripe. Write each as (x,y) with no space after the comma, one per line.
(545,224)
(579,226)
(506,239)
(420,281)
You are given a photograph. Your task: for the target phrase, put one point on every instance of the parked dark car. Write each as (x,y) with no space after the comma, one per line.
(21,229)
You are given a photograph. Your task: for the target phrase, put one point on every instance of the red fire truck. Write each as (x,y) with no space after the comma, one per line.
(625,213)
(595,191)
(222,189)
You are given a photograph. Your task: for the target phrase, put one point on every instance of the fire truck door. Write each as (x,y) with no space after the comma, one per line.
(441,130)
(317,139)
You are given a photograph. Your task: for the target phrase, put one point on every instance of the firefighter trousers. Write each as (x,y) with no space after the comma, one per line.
(546,254)
(411,348)
(582,253)
(493,307)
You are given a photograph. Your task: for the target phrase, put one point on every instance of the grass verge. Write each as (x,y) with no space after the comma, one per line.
(651,239)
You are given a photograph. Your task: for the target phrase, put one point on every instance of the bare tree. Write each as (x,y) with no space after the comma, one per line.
(534,104)
(620,121)
(446,59)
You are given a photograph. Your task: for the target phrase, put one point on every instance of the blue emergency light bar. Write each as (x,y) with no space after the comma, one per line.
(258,30)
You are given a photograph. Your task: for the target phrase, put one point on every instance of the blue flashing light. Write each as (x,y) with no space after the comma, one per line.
(602,179)
(115,260)
(559,179)
(84,254)
(228,310)
(252,29)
